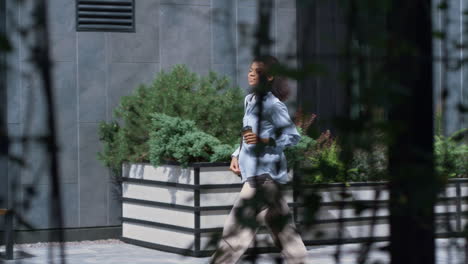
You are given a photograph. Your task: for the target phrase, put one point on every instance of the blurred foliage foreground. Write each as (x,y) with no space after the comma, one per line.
(185,118)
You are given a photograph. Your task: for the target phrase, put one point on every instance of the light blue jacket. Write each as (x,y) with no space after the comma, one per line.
(275,116)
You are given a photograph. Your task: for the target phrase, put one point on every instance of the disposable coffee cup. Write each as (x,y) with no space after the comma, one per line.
(246,129)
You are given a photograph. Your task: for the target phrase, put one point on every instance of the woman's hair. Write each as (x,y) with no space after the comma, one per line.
(279,86)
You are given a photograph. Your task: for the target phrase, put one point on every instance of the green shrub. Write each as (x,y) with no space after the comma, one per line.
(113,150)
(296,155)
(222,152)
(325,165)
(172,138)
(209,101)
(451,155)
(369,165)
(450,152)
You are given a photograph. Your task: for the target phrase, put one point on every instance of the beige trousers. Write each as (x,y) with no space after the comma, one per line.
(260,203)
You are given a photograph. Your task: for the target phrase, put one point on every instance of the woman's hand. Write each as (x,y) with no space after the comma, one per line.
(252,138)
(235,166)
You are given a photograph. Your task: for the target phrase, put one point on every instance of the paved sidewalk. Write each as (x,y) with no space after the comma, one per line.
(114,251)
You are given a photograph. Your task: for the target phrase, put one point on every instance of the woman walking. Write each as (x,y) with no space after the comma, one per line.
(262,166)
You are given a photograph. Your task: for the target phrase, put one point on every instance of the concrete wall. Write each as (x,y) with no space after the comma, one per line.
(321,32)
(3,115)
(92,70)
(321,36)
(455,79)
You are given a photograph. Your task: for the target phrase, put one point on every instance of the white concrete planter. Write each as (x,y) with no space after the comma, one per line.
(175,209)
(450,211)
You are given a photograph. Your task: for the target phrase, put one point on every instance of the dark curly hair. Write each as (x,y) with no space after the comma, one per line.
(279,85)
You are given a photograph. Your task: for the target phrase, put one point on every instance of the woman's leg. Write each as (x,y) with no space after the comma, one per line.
(236,236)
(279,221)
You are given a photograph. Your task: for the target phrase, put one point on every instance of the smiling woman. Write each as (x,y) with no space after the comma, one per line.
(263,169)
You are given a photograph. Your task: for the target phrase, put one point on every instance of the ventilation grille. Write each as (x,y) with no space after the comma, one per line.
(105,15)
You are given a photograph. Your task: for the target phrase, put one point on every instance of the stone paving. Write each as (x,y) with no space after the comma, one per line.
(117,252)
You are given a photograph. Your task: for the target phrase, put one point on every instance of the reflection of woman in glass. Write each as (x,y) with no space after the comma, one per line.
(260,198)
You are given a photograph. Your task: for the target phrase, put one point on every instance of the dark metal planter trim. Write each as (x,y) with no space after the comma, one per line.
(183,207)
(346,204)
(190,252)
(196,204)
(187,186)
(158,224)
(207,253)
(239,185)
(367,218)
(183,185)
(320,242)
(190,165)
(160,204)
(182,251)
(196,231)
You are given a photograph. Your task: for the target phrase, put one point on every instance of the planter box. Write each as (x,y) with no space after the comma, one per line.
(177,210)
(450,212)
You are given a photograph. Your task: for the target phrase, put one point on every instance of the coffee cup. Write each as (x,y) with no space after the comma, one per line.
(246,129)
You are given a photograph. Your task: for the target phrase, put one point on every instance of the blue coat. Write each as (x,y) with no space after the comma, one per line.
(275,117)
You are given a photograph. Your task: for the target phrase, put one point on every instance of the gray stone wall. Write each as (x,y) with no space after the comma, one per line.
(4,190)
(92,70)
(454,78)
(322,29)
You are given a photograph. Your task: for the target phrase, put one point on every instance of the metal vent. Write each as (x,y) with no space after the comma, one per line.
(105,15)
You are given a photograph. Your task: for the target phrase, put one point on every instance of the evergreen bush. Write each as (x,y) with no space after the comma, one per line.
(209,101)
(324,164)
(175,139)
(451,154)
